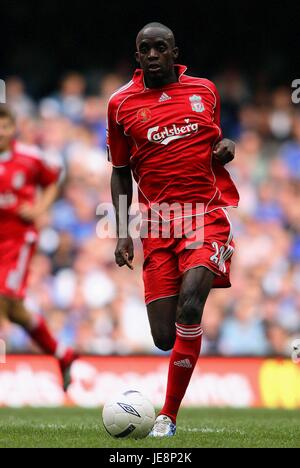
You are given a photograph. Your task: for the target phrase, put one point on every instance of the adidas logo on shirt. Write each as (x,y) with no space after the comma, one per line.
(164,97)
(185,363)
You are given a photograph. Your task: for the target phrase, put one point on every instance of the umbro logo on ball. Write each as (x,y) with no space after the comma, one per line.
(129,409)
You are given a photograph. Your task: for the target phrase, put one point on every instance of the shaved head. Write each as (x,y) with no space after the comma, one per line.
(157,28)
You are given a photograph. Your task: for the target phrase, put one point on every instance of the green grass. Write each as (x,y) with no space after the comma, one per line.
(70,428)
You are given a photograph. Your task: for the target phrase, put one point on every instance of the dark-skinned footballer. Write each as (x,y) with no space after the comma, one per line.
(164,131)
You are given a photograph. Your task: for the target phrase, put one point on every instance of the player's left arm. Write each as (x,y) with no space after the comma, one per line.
(45,200)
(48,179)
(224,151)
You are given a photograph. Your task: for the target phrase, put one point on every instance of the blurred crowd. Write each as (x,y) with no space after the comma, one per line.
(99,308)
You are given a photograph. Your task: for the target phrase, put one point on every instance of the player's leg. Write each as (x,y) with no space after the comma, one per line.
(15,284)
(39,332)
(14,310)
(196,286)
(162,281)
(162,319)
(14,272)
(204,267)
(4,307)
(35,326)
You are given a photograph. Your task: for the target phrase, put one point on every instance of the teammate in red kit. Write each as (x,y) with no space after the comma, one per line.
(164,128)
(22,172)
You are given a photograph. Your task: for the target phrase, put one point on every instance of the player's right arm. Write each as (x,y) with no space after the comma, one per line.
(121,185)
(121,188)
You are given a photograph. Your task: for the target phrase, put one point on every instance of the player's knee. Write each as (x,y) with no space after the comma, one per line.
(191,309)
(5,305)
(164,342)
(18,314)
(14,317)
(164,345)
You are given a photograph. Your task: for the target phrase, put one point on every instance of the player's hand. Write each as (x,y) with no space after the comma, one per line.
(125,253)
(224,152)
(28,212)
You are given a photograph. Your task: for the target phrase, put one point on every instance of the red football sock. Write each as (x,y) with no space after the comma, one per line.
(42,336)
(183,362)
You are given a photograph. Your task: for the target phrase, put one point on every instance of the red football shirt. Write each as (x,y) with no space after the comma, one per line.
(22,171)
(167,136)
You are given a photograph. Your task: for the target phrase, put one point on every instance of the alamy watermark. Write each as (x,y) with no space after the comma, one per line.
(296,92)
(2,92)
(2,352)
(161,221)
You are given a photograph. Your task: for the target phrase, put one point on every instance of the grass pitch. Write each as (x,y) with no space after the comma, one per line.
(197,428)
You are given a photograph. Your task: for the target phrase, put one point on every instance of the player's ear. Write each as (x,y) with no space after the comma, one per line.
(137,57)
(176,53)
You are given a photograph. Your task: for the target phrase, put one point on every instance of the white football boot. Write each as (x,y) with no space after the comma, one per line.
(163,427)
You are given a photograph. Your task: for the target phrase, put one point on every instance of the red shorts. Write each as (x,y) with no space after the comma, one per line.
(15,257)
(167,259)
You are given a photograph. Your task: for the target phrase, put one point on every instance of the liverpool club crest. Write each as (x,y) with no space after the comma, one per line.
(18,180)
(197,103)
(144,115)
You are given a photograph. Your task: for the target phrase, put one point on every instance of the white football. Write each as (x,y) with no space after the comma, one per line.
(129,415)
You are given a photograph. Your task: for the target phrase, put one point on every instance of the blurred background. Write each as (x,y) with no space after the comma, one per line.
(61,62)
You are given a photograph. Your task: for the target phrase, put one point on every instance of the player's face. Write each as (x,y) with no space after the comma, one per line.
(7,133)
(156,55)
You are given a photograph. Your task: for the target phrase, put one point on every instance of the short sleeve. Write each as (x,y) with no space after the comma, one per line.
(48,171)
(118,145)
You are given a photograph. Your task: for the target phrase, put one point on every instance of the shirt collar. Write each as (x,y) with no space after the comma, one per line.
(6,156)
(139,74)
